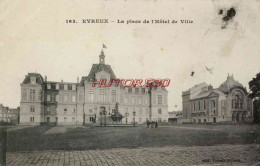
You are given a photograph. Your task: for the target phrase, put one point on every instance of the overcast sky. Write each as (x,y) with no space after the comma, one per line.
(34,37)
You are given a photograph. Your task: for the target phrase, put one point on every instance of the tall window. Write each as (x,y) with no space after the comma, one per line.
(159,111)
(237,100)
(81,96)
(113,95)
(102,95)
(133,90)
(57,98)
(31,119)
(133,100)
(213,103)
(140,100)
(199,105)
(48,97)
(159,99)
(194,106)
(32,109)
(32,94)
(66,98)
(204,104)
(146,101)
(61,98)
(73,99)
(48,110)
(126,99)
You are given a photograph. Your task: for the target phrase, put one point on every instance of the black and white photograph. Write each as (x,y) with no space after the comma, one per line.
(129,82)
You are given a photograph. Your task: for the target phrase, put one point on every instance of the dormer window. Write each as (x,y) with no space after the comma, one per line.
(48,86)
(33,80)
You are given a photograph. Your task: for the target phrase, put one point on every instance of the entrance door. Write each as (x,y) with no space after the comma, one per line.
(214,119)
(237,117)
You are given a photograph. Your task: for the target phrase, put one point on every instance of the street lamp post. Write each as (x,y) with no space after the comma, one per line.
(109,108)
(100,113)
(105,112)
(95,108)
(126,114)
(134,117)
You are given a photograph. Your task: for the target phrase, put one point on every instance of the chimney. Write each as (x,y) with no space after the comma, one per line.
(45,78)
(78,80)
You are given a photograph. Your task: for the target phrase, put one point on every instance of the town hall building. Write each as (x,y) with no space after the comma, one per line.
(70,103)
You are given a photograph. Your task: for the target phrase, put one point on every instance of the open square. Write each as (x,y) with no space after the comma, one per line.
(166,145)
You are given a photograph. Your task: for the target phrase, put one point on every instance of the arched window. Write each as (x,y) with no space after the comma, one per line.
(237,99)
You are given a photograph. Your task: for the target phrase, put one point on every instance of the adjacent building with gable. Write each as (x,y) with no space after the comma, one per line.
(227,103)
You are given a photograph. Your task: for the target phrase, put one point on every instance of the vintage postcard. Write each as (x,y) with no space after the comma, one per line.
(120,82)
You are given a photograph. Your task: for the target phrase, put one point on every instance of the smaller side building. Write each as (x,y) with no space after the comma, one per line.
(173,117)
(9,115)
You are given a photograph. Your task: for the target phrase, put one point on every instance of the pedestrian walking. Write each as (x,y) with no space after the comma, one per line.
(148,123)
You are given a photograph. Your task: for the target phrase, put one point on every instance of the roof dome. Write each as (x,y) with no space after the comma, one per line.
(229,84)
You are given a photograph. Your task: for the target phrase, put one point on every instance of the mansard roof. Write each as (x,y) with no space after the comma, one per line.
(100,67)
(56,82)
(39,78)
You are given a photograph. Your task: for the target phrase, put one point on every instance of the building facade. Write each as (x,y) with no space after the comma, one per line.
(173,116)
(227,103)
(81,102)
(9,115)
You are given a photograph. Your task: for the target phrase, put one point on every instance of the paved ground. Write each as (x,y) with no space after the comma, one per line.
(169,155)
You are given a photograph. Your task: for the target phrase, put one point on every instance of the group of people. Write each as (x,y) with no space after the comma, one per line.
(152,124)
